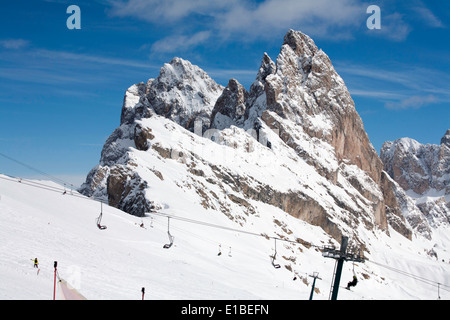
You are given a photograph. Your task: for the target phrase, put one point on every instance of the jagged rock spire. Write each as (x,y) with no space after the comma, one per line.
(446,138)
(230,107)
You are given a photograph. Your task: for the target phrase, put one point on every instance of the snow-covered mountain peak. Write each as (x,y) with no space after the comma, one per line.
(179,71)
(294,142)
(402,145)
(446,139)
(301,43)
(182,92)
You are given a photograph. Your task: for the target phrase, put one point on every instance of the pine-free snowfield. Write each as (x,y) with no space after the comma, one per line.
(117,262)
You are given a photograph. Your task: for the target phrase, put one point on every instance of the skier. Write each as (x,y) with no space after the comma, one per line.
(36,263)
(352,283)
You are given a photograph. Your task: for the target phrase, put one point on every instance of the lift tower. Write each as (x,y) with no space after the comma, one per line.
(340,256)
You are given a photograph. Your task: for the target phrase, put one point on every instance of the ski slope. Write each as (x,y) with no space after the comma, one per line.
(38,220)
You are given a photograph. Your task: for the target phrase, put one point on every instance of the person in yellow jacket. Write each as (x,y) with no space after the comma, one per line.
(36,263)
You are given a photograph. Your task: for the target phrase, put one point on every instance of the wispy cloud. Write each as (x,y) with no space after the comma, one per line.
(397,86)
(379,94)
(429,17)
(56,67)
(394,27)
(82,57)
(414,102)
(397,75)
(65,74)
(180,42)
(168,11)
(40,75)
(14,44)
(426,15)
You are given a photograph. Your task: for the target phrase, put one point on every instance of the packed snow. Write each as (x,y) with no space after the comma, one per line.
(37,220)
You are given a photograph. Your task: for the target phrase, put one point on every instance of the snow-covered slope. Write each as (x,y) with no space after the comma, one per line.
(37,220)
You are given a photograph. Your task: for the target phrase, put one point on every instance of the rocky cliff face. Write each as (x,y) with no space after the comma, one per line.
(293,142)
(306,101)
(423,172)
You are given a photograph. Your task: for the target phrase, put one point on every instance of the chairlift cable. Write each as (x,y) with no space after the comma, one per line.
(202,238)
(228,228)
(53,178)
(34,184)
(413,276)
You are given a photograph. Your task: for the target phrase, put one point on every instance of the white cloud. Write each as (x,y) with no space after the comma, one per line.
(316,16)
(246,17)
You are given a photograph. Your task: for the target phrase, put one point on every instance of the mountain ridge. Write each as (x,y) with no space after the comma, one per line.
(235,149)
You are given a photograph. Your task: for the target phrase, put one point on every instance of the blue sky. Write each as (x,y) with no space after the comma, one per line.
(61,90)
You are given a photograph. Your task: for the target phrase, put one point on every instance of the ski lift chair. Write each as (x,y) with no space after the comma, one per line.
(275,265)
(99,219)
(171,238)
